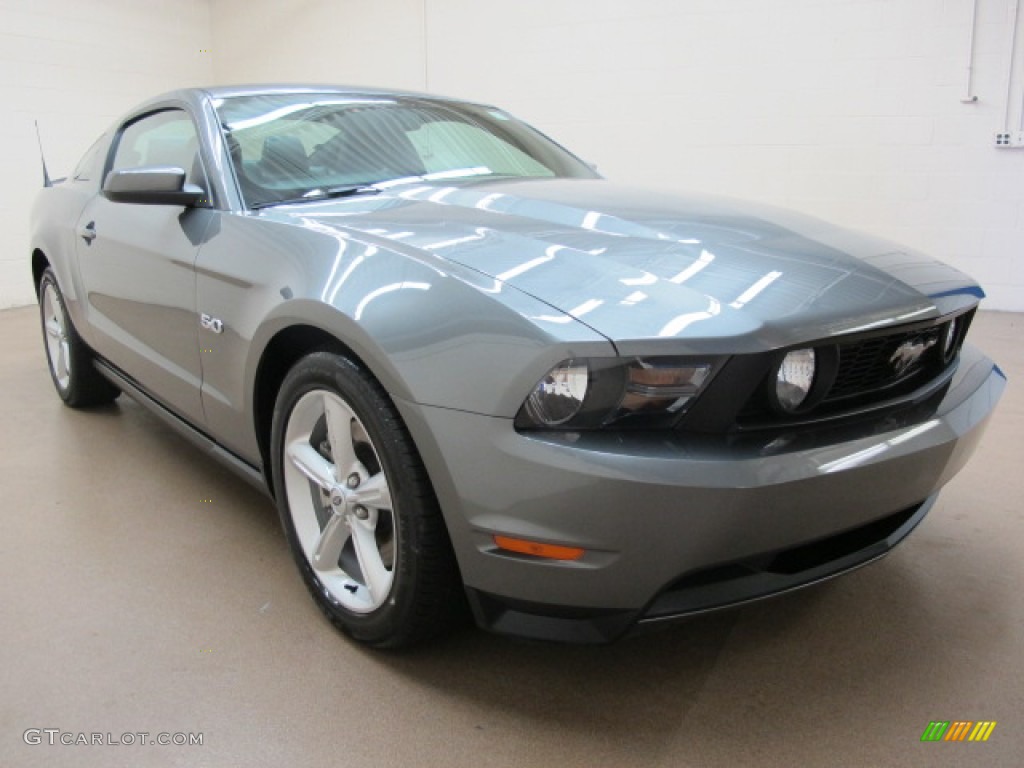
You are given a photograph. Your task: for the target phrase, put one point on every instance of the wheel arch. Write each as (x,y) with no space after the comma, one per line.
(39,265)
(282,350)
(285,348)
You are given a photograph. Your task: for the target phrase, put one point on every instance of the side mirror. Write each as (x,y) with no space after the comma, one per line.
(152,185)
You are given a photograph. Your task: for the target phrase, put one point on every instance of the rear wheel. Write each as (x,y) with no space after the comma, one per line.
(76,380)
(357,507)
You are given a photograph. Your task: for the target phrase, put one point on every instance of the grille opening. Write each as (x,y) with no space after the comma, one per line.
(873,365)
(789,562)
(818,553)
(873,369)
(773,572)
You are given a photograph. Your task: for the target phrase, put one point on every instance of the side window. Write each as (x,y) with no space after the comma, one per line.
(86,167)
(161,138)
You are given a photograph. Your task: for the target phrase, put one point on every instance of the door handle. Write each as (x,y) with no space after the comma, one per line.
(88,232)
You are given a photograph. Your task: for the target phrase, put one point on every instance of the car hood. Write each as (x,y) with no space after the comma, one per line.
(644,265)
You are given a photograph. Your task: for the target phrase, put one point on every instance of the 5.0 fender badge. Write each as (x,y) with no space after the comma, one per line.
(211,323)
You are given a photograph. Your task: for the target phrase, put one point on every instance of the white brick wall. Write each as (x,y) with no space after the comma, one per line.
(848,109)
(75,65)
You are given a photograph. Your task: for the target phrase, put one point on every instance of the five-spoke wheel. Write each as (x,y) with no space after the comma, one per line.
(70,361)
(340,501)
(357,507)
(55,329)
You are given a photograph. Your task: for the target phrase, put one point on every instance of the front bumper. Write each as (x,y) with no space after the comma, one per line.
(674,524)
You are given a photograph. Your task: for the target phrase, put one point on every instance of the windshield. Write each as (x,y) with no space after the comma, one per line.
(299,146)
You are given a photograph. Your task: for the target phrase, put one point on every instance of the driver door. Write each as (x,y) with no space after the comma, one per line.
(138,267)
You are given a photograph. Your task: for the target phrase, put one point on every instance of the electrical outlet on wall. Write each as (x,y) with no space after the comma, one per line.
(1010,139)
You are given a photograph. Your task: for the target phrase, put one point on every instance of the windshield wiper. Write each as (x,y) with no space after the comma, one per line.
(317,194)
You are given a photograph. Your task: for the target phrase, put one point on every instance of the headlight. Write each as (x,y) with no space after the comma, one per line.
(654,386)
(794,379)
(647,393)
(559,395)
(949,339)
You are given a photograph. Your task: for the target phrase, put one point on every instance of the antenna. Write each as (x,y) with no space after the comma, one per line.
(46,176)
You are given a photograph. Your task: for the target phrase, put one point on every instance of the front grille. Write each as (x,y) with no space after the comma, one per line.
(876,364)
(862,373)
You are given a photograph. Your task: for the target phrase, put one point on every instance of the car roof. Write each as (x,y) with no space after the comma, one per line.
(200,96)
(257,89)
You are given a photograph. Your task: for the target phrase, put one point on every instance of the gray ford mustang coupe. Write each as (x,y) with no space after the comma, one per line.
(470,370)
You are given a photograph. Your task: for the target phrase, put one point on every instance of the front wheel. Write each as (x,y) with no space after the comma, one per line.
(357,506)
(76,380)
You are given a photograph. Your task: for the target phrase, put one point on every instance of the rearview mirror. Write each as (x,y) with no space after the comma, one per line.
(152,185)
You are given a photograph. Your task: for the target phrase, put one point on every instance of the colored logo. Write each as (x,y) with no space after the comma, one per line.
(958,730)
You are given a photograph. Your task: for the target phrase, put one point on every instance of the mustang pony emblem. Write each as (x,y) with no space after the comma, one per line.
(908,353)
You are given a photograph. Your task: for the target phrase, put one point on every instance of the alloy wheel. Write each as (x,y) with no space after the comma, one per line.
(340,501)
(55,325)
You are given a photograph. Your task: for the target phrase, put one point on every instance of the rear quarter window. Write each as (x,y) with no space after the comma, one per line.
(88,168)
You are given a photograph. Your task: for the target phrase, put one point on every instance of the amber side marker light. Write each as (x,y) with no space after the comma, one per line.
(535,548)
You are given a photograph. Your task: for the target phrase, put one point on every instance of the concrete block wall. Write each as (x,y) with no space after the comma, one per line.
(75,66)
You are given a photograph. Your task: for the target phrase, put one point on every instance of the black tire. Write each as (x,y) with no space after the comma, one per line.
(69,359)
(333,418)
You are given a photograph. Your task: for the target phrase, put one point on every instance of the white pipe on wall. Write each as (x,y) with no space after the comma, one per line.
(1009,66)
(426,49)
(969,97)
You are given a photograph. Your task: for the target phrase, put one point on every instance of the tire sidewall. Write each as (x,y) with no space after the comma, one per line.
(50,280)
(361,393)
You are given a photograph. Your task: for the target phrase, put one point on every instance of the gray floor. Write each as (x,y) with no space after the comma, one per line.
(144,590)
